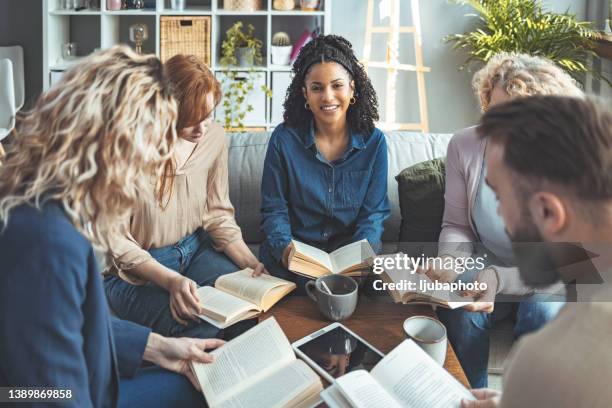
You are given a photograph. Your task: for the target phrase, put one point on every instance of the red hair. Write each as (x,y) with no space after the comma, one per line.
(191,82)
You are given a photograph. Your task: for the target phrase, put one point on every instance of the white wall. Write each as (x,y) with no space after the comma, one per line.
(451,102)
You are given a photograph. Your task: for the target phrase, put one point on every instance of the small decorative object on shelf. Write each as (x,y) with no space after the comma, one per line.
(69,50)
(135,4)
(243,5)
(309,5)
(178,5)
(281,48)
(138,34)
(113,5)
(304,39)
(608,27)
(283,5)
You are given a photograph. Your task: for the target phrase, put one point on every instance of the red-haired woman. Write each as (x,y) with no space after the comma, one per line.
(184,236)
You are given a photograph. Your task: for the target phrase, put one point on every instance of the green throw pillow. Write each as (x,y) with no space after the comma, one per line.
(421,200)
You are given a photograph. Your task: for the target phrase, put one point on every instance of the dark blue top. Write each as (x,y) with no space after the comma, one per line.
(55,327)
(327,205)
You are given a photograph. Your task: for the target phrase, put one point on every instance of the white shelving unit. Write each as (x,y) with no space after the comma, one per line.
(92,29)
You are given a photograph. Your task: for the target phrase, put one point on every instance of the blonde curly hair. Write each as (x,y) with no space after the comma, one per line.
(91,141)
(522,75)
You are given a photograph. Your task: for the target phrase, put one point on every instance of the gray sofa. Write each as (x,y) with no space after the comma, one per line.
(246,156)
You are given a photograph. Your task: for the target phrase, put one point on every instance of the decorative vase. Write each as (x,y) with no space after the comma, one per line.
(243,5)
(283,5)
(113,5)
(309,5)
(245,56)
(281,55)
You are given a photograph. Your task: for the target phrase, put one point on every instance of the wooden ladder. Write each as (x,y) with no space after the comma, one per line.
(393,66)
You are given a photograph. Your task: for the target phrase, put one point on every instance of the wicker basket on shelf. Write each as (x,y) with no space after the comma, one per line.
(185,35)
(243,5)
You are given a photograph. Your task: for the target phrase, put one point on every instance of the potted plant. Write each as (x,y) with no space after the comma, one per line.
(240,49)
(281,49)
(523,26)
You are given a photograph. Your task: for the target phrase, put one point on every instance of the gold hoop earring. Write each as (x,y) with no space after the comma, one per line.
(353,100)
(306,106)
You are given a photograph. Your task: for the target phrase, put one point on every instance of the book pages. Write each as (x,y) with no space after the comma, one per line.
(362,390)
(415,380)
(244,361)
(350,255)
(312,254)
(222,306)
(282,388)
(255,289)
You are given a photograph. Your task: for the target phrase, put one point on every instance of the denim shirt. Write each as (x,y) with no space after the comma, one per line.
(327,205)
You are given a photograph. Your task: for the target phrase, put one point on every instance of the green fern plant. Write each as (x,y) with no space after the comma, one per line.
(524,26)
(236,85)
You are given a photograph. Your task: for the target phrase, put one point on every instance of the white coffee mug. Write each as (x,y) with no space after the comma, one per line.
(429,334)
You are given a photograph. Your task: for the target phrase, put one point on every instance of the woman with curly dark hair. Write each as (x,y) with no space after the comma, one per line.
(325,173)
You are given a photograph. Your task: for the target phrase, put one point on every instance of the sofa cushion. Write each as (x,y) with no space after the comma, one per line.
(247,152)
(421,200)
(406,149)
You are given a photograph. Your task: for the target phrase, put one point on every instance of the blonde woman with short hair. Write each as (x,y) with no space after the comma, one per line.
(470,216)
(74,168)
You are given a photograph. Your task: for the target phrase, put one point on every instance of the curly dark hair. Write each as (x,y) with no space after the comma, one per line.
(362,114)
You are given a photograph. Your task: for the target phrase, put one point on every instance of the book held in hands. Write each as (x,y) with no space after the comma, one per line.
(351,260)
(238,296)
(405,286)
(258,369)
(406,377)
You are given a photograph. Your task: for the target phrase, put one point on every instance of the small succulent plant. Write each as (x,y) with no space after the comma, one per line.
(281,39)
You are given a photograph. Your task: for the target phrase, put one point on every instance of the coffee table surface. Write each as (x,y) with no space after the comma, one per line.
(377,320)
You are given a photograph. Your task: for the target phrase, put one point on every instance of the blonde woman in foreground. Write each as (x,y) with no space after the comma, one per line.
(75,167)
(471,219)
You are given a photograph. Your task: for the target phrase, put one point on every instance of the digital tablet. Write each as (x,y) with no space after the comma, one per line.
(335,350)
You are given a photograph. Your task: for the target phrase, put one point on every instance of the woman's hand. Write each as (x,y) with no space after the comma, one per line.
(485,398)
(286,254)
(184,301)
(259,269)
(442,275)
(176,354)
(484,299)
(242,256)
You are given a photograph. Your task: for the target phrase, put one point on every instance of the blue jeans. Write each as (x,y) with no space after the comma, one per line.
(468,332)
(149,305)
(155,387)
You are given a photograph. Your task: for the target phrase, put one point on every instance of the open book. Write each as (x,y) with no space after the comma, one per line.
(238,296)
(409,289)
(258,369)
(406,377)
(351,260)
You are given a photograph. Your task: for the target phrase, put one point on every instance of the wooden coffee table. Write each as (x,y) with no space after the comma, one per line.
(377,320)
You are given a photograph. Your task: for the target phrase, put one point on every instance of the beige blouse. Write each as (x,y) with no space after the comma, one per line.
(200,198)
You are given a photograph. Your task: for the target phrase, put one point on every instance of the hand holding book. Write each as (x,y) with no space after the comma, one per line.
(350,260)
(238,296)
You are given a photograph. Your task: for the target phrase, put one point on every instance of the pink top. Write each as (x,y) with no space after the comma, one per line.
(463,169)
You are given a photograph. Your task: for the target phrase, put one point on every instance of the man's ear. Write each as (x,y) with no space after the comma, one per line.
(549,213)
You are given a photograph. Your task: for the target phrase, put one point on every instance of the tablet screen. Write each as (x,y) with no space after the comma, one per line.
(338,352)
